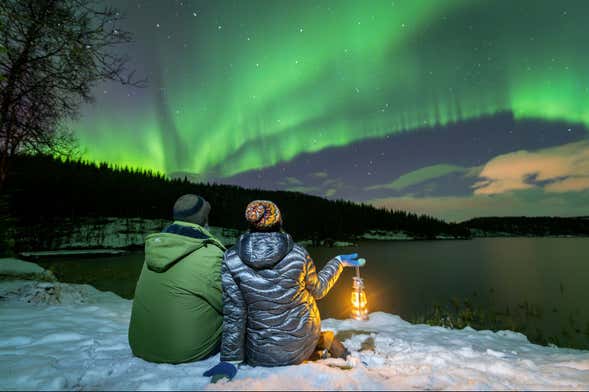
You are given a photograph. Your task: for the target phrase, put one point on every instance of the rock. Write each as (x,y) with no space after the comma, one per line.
(19,269)
(30,291)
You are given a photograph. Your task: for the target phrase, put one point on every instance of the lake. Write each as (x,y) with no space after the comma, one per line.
(539,284)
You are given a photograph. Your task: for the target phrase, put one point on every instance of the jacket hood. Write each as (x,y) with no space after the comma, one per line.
(162,250)
(263,250)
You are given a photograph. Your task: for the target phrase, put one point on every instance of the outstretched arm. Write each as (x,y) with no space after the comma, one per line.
(320,283)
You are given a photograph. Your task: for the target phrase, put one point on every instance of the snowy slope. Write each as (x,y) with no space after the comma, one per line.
(101,233)
(75,337)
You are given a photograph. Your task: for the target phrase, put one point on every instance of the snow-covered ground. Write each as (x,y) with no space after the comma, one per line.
(107,234)
(103,233)
(384,235)
(334,244)
(75,252)
(64,336)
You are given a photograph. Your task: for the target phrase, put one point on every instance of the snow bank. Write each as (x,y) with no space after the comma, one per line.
(227,237)
(328,243)
(385,235)
(10,266)
(81,343)
(14,268)
(101,233)
(76,252)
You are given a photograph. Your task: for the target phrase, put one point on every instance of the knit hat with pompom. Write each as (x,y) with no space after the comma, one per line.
(263,215)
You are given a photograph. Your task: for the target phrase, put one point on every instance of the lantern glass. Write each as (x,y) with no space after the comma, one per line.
(359,302)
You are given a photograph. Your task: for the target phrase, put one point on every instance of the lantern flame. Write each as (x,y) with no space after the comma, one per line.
(359,302)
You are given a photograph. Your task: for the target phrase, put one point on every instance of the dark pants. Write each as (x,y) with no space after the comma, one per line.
(329,347)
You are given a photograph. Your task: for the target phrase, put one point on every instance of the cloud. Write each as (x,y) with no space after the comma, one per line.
(290,181)
(569,184)
(330,192)
(332,186)
(531,202)
(552,181)
(294,184)
(418,176)
(319,174)
(558,169)
(303,189)
(325,187)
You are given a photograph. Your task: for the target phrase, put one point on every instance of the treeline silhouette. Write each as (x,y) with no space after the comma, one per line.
(530,226)
(44,189)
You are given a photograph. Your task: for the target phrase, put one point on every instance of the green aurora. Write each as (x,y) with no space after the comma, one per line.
(236,86)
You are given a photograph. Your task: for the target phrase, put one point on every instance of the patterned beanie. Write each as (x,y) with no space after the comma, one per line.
(263,215)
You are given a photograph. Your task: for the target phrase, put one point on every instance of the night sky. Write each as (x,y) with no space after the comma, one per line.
(451,108)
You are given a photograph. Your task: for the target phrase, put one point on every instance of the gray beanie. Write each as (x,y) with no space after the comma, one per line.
(192,208)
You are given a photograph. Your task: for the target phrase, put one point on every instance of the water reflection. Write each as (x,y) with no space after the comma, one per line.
(504,274)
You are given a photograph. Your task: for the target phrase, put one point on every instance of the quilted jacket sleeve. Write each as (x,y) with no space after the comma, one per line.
(320,283)
(234,317)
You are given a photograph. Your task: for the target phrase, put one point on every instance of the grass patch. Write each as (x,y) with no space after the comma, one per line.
(523,318)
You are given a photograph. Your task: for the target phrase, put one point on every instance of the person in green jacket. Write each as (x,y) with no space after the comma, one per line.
(177,311)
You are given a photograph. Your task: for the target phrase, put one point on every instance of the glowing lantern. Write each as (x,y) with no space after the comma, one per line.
(359,302)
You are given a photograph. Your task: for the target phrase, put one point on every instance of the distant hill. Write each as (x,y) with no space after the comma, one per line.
(528,226)
(43,189)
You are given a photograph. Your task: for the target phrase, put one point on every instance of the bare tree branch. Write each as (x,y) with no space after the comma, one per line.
(52,54)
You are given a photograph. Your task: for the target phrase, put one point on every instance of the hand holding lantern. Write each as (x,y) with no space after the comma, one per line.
(351,260)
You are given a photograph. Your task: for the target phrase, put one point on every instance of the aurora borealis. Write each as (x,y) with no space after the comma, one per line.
(250,92)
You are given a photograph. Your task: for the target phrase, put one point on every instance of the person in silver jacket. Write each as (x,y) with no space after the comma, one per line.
(270,289)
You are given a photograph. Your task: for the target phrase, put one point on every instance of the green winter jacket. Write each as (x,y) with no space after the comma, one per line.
(177,312)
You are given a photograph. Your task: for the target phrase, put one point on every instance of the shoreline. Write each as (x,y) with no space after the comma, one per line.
(111,235)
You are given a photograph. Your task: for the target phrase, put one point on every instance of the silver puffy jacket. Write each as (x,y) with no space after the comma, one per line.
(269,290)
